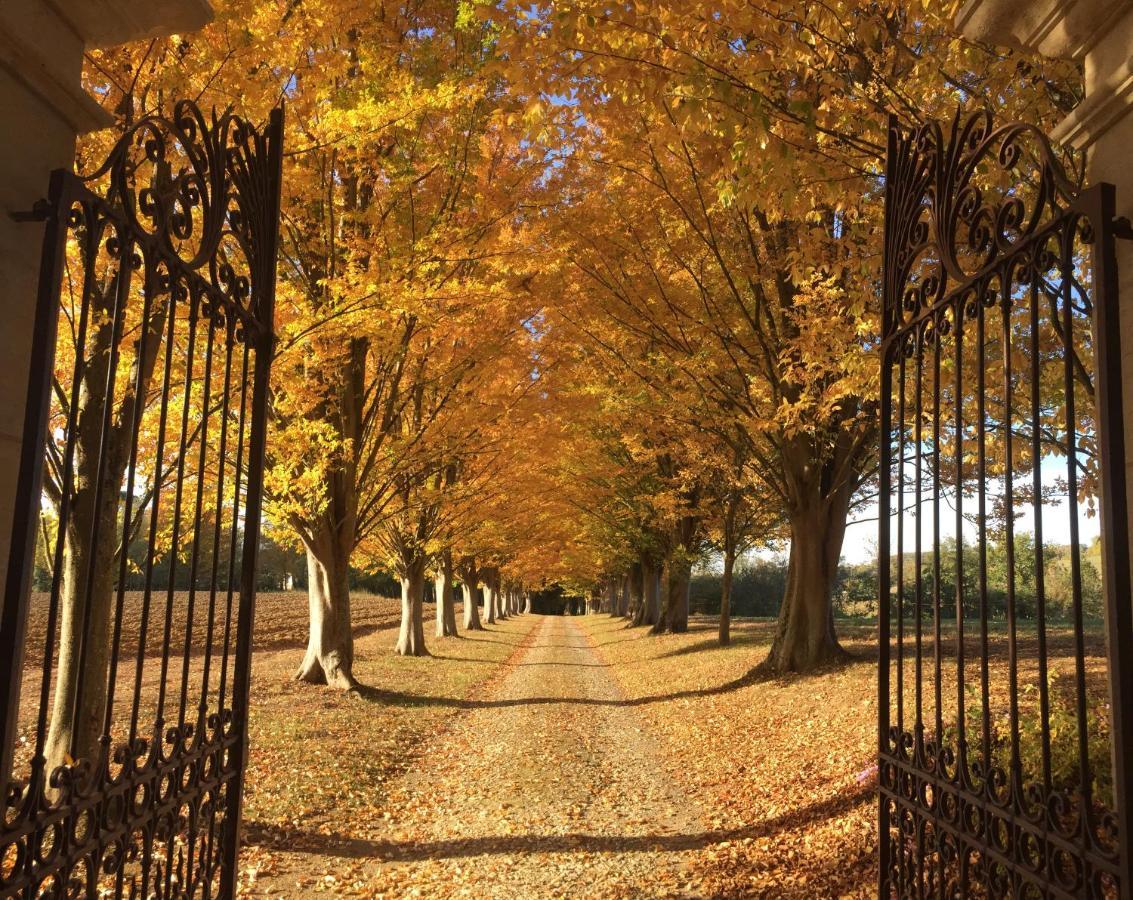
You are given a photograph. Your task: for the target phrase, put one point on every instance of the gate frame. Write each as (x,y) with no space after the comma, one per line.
(1097,205)
(65,188)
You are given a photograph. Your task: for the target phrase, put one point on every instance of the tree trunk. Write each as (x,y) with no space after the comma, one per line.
(411,639)
(636,593)
(471,608)
(680,577)
(651,594)
(330,644)
(527,602)
(489,597)
(446,597)
(664,585)
(725,635)
(79,706)
(804,638)
(79,703)
(467,572)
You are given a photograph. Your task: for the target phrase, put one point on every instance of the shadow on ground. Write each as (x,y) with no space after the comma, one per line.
(350,847)
(756,676)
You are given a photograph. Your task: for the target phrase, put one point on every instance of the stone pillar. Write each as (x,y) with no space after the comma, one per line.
(42,109)
(1098,34)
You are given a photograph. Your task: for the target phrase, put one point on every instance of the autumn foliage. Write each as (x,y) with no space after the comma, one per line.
(578,294)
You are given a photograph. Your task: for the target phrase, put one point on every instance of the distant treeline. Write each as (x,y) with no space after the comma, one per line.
(759,583)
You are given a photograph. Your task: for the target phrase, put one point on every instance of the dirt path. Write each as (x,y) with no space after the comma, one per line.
(549,786)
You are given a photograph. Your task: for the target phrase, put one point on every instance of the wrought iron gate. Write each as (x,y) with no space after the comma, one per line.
(1005,613)
(127,614)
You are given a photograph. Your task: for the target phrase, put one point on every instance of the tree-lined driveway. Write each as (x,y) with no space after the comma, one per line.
(549,785)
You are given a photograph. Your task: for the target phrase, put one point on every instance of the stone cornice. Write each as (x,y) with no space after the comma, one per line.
(107,23)
(68,101)
(1106,105)
(1056,28)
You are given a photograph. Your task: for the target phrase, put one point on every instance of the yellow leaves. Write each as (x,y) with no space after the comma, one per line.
(579,239)
(533,115)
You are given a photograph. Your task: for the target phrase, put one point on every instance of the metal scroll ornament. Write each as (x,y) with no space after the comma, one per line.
(957,201)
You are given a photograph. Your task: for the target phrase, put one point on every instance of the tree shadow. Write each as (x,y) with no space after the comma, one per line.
(351,847)
(579,665)
(486,640)
(713,643)
(400,698)
(633,637)
(268,640)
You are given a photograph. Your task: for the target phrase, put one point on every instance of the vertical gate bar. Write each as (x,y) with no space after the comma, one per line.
(37,411)
(918,586)
(918,590)
(1006,304)
(902,386)
(202,435)
(886,415)
(937,659)
(1037,513)
(1099,205)
(194,299)
(202,467)
(264,310)
(234,538)
(131,471)
(202,709)
(122,279)
(1066,295)
(958,486)
(158,479)
(883,563)
(981,514)
(222,450)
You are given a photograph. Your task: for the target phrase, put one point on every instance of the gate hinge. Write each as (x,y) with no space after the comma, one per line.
(1122,227)
(40,212)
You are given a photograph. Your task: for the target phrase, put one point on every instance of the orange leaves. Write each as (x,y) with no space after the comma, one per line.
(534,256)
(774,764)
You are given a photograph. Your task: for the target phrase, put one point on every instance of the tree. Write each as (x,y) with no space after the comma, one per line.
(724,222)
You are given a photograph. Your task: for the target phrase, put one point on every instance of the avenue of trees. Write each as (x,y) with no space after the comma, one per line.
(572,294)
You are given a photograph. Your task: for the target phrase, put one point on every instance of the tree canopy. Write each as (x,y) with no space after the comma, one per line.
(577,293)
